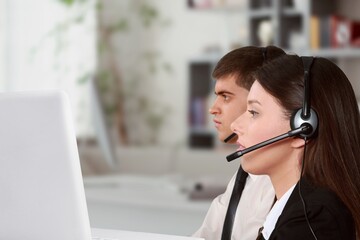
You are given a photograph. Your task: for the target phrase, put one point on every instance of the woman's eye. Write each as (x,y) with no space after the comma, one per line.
(253,113)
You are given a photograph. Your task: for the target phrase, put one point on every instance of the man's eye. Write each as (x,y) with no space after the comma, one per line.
(225,97)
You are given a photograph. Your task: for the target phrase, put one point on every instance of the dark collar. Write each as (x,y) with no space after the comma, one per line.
(306,188)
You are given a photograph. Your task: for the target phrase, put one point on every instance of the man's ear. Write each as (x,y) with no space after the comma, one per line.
(297,142)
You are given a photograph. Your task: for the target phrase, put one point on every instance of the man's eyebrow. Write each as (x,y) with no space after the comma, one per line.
(253,101)
(223,92)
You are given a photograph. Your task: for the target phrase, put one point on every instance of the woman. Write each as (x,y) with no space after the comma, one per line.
(316,180)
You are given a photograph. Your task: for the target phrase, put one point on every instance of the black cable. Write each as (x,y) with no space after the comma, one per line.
(301,197)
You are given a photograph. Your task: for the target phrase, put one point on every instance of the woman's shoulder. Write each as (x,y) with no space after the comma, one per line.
(320,202)
(321,198)
(325,212)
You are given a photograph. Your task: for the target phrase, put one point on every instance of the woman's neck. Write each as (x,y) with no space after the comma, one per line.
(284,181)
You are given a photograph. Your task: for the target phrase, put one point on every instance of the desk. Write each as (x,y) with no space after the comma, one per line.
(127,235)
(143,203)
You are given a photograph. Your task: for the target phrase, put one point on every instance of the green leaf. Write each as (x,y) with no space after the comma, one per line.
(148,14)
(99,6)
(84,78)
(167,67)
(67,2)
(121,25)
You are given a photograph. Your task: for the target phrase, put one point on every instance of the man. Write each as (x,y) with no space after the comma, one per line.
(233,82)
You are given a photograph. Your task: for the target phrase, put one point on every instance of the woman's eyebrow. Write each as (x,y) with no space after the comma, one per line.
(253,101)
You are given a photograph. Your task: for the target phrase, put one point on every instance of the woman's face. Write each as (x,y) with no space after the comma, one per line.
(264,119)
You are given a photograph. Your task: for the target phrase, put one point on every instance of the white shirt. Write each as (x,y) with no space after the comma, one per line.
(254,205)
(275,212)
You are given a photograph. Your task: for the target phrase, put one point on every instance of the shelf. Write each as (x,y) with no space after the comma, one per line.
(326,52)
(211,58)
(221,8)
(235,9)
(291,12)
(261,13)
(336,52)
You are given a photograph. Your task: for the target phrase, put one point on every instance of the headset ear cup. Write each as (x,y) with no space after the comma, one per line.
(297,120)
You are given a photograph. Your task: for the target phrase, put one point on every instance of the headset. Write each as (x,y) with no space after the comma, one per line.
(305,116)
(304,124)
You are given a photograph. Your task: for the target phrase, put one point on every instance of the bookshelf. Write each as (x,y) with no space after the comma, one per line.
(305,27)
(291,23)
(201,135)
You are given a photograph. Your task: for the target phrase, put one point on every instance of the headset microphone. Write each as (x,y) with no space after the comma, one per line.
(295,132)
(231,136)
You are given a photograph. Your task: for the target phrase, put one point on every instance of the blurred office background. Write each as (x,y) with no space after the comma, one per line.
(138,73)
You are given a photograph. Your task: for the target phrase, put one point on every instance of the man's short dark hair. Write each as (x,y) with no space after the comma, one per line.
(242,62)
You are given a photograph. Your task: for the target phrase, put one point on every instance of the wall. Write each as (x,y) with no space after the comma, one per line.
(3,27)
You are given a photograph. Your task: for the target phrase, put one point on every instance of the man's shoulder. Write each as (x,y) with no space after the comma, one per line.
(259,180)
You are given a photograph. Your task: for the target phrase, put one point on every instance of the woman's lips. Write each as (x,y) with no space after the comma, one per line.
(241,147)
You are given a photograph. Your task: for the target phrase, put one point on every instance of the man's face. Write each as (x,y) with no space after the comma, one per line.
(229,104)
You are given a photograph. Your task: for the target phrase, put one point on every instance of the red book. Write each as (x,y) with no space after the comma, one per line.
(355,34)
(344,32)
(340,31)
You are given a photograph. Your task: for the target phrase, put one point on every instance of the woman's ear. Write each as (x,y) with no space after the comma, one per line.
(297,142)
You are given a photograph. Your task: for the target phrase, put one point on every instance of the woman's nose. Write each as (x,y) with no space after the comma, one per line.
(236,125)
